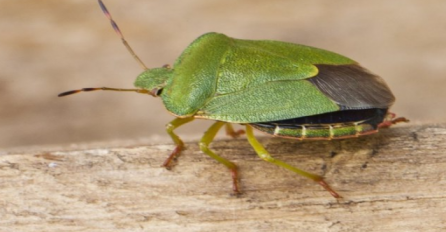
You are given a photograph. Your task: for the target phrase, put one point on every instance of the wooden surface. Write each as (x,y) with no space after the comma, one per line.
(393,181)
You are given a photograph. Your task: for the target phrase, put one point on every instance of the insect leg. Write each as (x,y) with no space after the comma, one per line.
(207,138)
(180,145)
(390,120)
(231,132)
(262,153)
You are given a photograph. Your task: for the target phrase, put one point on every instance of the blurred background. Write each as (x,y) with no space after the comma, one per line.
(50,46)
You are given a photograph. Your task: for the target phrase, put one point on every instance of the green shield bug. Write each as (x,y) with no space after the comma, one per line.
(283,89)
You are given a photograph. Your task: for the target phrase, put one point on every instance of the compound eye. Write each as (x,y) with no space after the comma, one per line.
(156,92)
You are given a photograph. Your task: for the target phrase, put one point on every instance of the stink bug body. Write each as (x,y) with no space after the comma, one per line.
(283,89)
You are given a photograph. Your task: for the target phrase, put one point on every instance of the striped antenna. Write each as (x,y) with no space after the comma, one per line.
(115,26)
(103,88)
(118,31)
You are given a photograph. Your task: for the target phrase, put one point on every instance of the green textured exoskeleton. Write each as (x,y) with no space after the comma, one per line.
(283,89)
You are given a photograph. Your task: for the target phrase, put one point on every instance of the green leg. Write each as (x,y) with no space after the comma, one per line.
(262,153)
(231,132)
(180,145)
(207,138)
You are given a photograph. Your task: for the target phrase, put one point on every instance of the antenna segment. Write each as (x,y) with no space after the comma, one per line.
(118,31)
(103,88)
(115,26)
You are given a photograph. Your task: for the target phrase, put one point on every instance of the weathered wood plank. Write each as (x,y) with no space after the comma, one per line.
(393,181)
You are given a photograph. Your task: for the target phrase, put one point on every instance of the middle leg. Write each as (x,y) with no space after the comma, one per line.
(207,138)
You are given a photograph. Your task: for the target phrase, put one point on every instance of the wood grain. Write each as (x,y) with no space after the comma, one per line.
(392,181)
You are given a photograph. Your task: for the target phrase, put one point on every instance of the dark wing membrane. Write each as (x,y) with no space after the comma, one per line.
(352,87)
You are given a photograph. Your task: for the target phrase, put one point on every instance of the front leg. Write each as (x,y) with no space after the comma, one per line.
(177,122)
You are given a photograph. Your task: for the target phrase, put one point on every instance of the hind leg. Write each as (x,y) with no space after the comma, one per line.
(262,153)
